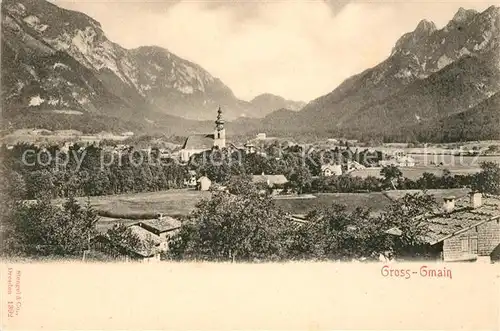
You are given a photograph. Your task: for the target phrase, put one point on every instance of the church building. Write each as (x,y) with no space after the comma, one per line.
(199,143)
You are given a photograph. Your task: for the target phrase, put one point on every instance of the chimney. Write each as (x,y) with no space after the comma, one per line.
(476,199)
(449,204)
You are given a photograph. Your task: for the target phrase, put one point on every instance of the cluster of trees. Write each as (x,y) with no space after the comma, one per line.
(244,225)
(40,228)
(88,171)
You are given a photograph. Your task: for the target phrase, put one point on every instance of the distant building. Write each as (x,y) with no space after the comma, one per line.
(260,136)
(353,165)
(200,143)
(331,169)
(204,183)
(405,161)
(128,134)
(250,148)
(191,180)
(162,226)
(273,182)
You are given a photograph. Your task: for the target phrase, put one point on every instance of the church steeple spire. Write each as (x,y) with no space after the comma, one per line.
(219,121)
(220,132)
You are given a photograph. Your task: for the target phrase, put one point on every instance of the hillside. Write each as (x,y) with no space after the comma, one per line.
(57,59)
(481,122)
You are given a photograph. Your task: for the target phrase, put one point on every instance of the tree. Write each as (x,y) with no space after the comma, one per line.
(333,233)
(41,228)
(391,173)
(232,228)
(241,185)
(488,180)
(406,216)
(301,179)
(121,238)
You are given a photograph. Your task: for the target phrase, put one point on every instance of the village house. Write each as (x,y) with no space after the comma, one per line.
(191,180)
(163,226)
(153,235)
(403,161)
(200,143)
(331,170)
(204,183)
(273,182)
(250,148)
(468,229)
(465,229)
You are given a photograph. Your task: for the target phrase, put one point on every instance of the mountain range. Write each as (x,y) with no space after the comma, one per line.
(56,60)
(431,74)
(59,67)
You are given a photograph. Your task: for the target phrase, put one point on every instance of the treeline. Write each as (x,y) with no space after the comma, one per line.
(87,171)
(391,178)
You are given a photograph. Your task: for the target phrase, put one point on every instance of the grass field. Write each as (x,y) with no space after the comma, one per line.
(147,205)
(375,201)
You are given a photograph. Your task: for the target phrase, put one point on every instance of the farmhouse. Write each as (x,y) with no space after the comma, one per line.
(466,228)
(199,143)
(153,235)
(163,226)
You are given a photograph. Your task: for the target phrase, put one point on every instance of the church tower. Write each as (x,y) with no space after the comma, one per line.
(220,132)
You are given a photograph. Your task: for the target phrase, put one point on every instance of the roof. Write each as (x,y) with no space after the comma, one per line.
(144,236)
(199,141)
(330,166)
(163,224)
(443,226)
(270,179)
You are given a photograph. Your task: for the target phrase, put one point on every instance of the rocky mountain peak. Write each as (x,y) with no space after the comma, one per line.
(464,15)
(425,27)
(416,38)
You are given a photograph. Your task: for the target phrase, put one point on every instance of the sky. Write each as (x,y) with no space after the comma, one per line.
(298,49)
